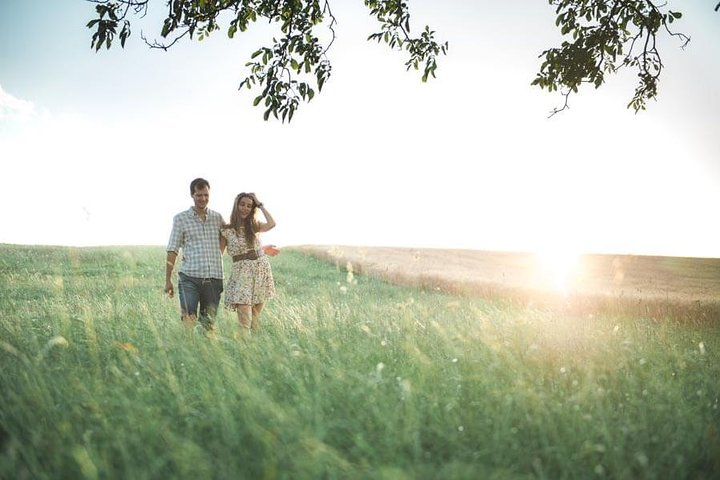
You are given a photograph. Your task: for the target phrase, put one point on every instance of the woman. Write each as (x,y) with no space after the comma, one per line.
(251,281)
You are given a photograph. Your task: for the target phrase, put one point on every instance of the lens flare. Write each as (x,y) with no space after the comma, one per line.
(558,266)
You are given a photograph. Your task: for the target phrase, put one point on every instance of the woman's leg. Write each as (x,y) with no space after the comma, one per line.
(256,311)
(244,314)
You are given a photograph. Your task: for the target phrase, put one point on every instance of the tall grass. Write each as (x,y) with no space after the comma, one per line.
(349,377)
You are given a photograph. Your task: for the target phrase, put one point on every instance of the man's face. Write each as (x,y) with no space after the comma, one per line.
(201,197)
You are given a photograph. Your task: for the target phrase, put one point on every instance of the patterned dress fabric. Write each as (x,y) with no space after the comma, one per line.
(251,281)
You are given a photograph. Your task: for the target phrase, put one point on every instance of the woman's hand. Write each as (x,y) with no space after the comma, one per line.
(257,202)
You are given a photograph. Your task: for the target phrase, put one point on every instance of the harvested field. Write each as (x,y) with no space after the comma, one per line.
(651,282)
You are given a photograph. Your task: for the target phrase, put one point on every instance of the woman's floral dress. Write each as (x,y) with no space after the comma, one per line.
(251,281)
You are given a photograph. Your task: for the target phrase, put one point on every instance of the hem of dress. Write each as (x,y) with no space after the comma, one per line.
(234,306)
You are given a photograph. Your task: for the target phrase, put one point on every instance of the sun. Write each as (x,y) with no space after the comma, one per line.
(557,266)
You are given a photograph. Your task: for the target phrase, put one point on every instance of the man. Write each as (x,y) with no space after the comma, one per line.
(200,280)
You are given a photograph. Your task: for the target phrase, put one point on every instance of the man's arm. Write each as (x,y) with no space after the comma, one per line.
(174,244)
(169,266)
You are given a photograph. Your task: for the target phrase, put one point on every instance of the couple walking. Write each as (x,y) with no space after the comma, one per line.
(203,236)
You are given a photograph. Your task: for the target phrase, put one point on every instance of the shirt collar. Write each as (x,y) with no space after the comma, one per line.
(194,212)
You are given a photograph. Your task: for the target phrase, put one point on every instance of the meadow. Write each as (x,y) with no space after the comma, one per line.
(350,377)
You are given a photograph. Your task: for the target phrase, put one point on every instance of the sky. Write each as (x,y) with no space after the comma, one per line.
(100,148)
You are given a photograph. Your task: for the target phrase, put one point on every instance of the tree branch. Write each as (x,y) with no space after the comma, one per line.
(598,37)
(163,46)
(331,26)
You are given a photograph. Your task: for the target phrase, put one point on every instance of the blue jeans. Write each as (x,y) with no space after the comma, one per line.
(202,292)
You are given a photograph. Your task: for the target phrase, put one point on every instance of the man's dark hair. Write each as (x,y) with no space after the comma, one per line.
(198,184)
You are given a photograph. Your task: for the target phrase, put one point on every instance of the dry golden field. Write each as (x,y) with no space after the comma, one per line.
(650,282)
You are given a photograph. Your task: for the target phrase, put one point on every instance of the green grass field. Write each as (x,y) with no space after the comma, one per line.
(354,379)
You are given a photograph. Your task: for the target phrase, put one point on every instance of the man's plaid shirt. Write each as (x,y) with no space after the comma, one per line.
(200,243)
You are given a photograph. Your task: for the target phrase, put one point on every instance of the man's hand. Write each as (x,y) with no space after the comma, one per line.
(169,289)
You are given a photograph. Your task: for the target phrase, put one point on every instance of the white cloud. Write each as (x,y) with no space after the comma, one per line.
(11,106)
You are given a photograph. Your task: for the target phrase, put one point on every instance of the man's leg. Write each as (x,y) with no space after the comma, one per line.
(189,294)
(209,301)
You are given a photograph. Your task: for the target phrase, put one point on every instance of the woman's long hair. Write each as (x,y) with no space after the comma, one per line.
(248,226)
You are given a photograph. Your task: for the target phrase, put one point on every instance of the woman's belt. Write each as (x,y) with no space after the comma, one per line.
(245,256)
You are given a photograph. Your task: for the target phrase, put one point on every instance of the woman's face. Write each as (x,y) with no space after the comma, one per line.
(244,206)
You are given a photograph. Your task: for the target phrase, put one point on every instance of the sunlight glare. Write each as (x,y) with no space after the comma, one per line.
(558,265)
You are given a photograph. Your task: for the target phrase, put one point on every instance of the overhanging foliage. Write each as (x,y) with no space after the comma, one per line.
(602,37)
(296,65)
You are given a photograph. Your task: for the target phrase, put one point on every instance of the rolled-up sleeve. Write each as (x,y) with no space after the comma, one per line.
(176,236)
